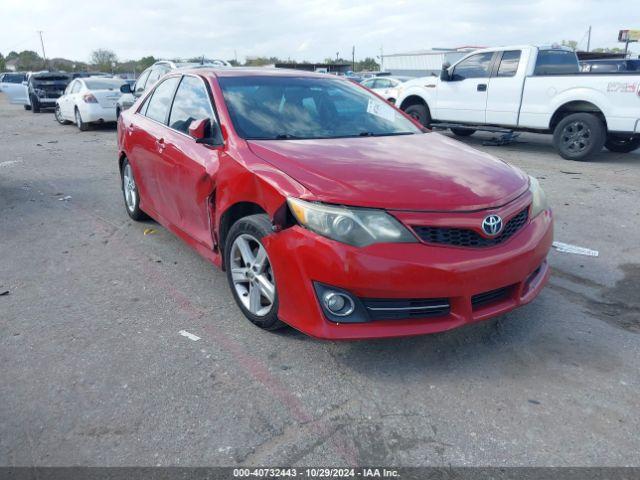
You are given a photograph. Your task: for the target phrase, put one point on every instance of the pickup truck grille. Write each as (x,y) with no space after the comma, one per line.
(461,237)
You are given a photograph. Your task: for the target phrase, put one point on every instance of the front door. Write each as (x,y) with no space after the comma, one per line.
(463,98)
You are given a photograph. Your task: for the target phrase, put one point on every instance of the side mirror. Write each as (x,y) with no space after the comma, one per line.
(25,83)
(203,132)
(444,74)
(126,88)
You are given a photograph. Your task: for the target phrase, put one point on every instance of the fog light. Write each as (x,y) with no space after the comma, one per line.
(338,303)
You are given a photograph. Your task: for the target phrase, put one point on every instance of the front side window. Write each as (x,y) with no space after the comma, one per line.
(191,103)
(160,101)
(287,107)
(509,63)
(475,66)
(141,81)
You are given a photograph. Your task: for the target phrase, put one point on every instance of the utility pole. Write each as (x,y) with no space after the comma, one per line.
(44,55)
(381,58)
(589,38)
(353,58)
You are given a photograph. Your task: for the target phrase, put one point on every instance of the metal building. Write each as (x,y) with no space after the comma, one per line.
(421,63)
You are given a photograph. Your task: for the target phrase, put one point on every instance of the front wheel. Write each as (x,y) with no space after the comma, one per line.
(59,117)
(250,273)
(35,105)
(420,113)
(578,136)
(620,144)
(463,132)
(27,107)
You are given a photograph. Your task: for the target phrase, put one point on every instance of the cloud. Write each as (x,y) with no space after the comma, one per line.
(299,29)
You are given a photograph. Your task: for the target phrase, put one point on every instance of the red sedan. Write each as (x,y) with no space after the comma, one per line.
(329,209)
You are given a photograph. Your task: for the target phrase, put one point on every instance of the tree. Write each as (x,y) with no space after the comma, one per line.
(29,60)
(145,62)
(3,65)
(103,59)
(572,44)
(368,64)
(12,55)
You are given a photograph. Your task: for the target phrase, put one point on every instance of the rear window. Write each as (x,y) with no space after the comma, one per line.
(556,62)
(104,84)
(51,78)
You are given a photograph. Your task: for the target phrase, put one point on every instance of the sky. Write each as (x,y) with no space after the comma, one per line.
(302,29)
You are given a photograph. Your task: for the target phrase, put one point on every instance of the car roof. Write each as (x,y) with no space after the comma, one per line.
(254,72)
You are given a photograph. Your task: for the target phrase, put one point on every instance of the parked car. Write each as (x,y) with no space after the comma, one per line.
(89,100)
(11,84)
(44,88)
(610,66)
(386,87)
(329,209)
(151,75)
(529,88)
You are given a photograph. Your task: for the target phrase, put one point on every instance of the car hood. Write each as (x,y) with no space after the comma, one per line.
(423,172)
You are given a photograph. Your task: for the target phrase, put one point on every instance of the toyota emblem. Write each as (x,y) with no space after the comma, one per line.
(492,225)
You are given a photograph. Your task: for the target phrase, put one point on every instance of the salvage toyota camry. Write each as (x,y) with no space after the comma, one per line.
(329,209)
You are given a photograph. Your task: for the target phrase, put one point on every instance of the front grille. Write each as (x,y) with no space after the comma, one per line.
(396,309)
(489,297)
(462,237)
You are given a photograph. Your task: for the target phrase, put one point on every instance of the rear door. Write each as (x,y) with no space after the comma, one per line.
(69,99)
(13,88)
(147,130)
(190,168)
(505,88)
(464,97)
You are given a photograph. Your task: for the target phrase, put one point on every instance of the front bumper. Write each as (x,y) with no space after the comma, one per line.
(299,258)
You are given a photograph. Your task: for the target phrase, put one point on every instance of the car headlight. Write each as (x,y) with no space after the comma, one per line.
(355,226)
(539,203)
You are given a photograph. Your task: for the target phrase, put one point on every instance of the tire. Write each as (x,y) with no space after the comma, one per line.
(35,105)
(578,136)
(618,144)
(27,107)
(59,117)
(419,112)
(117,113)
(463,132)
(246,277)
(81,124)
(130,193)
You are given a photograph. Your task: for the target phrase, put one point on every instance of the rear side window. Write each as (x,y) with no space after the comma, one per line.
(476,66)
(13,78)
(160,102)
(509,63)
(191,103)
(555,62)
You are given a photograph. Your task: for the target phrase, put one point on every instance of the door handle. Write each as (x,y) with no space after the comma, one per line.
(160,144)
(482,87)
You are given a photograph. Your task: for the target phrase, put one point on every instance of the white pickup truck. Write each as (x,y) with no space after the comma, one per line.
(537,89)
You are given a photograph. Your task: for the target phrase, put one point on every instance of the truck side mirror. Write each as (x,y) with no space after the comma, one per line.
(444,74)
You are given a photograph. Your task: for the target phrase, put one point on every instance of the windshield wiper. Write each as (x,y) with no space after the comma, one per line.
(372,134)
(286,136)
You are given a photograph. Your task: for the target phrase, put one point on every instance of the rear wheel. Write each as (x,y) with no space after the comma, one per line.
(27,107)
(83,126)
(130,192)
(59,116)
(578,136)
(621,144)
(250,273)
(420,113)
(463,132)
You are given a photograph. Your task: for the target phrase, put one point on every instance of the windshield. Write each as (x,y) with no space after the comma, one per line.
(273,108)
(104,83)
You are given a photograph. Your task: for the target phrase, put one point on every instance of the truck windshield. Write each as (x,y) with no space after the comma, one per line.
(287,107)
(555,62)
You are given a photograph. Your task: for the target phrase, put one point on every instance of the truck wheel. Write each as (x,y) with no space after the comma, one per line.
(419,112)
(619,144)
(35,105)
(463,132)
(578,136)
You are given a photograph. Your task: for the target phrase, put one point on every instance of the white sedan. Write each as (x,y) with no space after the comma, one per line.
(386,87)
(89,100)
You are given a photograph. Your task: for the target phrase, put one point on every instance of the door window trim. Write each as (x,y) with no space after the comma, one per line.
(496,64)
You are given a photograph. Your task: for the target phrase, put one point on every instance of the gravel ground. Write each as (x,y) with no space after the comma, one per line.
(94,371)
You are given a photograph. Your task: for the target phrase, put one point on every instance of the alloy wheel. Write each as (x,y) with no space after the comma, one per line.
(129,186)
(576,137)
(252,275)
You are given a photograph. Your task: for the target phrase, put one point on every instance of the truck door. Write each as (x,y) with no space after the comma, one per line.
(505,88)
(463,98)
